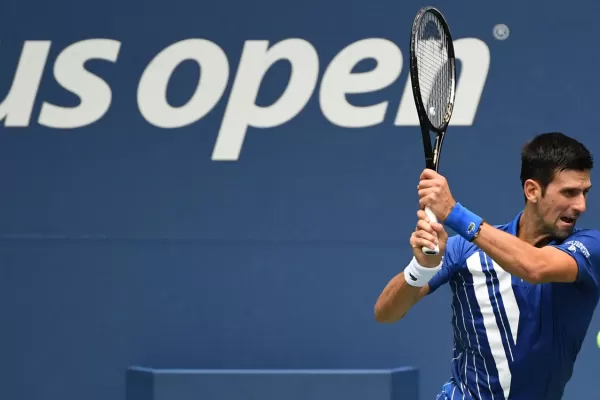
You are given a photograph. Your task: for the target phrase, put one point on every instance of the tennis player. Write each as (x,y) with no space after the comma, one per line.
(523,292)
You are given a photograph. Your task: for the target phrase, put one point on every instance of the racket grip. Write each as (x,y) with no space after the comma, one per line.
(432,220)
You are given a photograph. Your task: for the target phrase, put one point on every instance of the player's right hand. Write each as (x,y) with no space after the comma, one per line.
(426,235)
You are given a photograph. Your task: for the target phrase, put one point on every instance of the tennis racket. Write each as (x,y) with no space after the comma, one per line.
(433,80)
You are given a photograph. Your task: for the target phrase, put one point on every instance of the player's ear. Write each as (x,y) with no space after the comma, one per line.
(532,190)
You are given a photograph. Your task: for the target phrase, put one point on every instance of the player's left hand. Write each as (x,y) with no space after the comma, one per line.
(434,192)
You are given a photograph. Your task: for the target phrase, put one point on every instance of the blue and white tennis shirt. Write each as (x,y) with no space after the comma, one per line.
(515,340)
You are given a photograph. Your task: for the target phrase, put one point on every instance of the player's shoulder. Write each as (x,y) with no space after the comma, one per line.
(588,234)
(586,241)
(582,237)
(456,243)
(455,250)
(585,232)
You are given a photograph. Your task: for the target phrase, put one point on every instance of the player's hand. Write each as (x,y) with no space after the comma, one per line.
(428,235)
(434,193)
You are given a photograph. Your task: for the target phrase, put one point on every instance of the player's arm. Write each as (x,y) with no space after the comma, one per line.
(530,263)
(405,289)
(576,260)
(397,298)
(535,265)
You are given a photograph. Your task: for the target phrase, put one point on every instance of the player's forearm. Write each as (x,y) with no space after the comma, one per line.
(396,299)
(515,256)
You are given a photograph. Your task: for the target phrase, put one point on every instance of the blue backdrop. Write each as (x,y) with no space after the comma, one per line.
(170,206)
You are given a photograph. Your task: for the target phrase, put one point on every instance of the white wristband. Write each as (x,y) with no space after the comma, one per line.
(417,275)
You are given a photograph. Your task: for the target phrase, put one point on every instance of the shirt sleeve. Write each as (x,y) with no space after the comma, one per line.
(584,247)
(449,265)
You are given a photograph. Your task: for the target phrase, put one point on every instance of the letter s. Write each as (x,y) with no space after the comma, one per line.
(94,92)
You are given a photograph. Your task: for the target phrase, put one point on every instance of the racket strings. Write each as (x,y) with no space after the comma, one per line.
(434,68)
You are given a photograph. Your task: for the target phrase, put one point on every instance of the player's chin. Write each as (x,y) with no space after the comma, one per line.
(564,229)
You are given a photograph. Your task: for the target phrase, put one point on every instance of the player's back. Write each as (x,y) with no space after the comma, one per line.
(513,339)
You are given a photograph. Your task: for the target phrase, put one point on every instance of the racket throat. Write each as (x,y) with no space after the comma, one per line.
(431,159)
(435,160)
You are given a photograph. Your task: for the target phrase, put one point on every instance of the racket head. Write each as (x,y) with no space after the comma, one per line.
(432,69)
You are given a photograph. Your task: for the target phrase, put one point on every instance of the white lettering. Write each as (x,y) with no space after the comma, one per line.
(338,80)
(93,91)
(474,57)
(18,103)
(152,89)
(242,111)
(576,244)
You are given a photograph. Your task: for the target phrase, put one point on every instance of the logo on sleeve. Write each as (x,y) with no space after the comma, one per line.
(575,244)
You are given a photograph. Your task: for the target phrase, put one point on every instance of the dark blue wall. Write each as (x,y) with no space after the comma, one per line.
(131,241)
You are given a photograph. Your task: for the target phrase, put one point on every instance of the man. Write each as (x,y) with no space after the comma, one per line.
(523,292)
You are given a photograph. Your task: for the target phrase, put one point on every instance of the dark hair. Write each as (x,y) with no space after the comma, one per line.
(550,153)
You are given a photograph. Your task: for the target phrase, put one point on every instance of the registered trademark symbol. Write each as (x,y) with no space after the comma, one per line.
(501,32)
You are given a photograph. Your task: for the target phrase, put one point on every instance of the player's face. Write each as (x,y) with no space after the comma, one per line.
(563,202)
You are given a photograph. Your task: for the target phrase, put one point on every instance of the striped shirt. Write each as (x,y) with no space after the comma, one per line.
(512,339)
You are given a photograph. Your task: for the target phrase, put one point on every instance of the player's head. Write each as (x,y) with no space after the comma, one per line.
(555,174)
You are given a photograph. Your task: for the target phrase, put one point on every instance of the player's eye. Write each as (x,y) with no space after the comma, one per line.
(571,192)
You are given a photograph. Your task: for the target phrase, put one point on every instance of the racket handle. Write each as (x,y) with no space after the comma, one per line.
(432,220)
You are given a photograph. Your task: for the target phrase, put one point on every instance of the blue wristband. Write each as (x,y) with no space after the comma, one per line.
(463,222)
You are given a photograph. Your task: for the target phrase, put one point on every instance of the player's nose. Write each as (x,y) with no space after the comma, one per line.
(580,204)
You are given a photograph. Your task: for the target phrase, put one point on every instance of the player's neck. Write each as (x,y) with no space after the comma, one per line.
(528,229)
